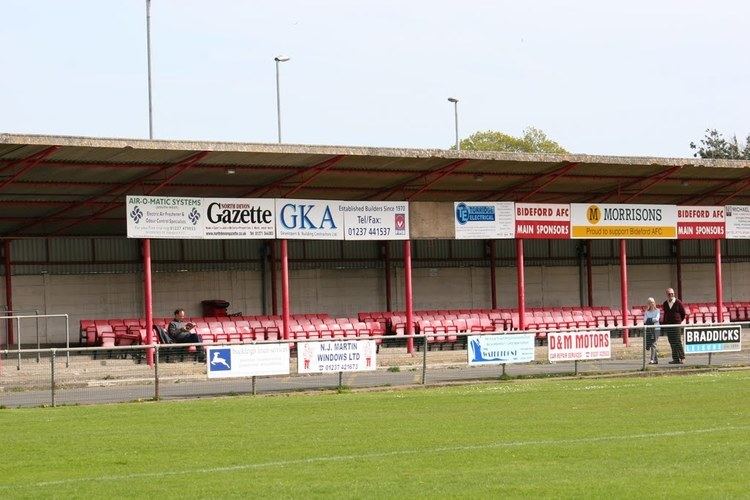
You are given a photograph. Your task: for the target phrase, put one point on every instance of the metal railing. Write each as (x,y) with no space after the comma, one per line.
(120,373)
(38,349)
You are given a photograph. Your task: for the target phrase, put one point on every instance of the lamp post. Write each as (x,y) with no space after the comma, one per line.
(455,111)
(279,59)
(148,58)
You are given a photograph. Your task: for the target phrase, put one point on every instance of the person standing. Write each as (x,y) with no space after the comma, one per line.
(651,318)
(674,314)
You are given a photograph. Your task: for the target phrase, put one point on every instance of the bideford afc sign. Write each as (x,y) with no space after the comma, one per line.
(610,221)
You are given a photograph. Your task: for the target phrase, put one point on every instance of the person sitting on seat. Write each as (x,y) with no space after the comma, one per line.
(179,331)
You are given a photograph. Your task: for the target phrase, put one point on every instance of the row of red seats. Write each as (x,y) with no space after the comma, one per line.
(133,331)
(559,318)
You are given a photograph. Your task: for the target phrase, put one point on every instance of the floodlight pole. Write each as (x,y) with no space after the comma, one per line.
(148,58)
(278,59)
(455,121)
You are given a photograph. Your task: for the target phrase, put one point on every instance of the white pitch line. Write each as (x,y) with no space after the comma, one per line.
(365,456)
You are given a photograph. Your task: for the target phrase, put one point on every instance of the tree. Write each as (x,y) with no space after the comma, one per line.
(714,145)
(532,141)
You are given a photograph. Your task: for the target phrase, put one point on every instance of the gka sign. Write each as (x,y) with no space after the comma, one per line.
(309,219)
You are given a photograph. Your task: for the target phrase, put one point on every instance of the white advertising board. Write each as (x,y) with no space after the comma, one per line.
(572,346)
(499,349)
(611,221)
(164,217)
(249,360)
(239,218)
(375,220)
(476,220)
(738,221)
(309,220)
(336,356)
(704,339)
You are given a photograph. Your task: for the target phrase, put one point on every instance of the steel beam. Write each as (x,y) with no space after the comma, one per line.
(119,188)
(26,164)
(444,172)
(315,170)
(384,194)
(553,174)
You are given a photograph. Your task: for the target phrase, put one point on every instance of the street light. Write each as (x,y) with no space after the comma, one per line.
(455,109)
(148,58)
(279,59)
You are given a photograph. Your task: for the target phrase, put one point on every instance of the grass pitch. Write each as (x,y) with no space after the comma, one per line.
(674,436)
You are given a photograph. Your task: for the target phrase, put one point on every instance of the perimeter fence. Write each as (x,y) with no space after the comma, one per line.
(78,375)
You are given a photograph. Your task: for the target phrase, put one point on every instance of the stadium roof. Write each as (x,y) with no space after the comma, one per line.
(76,186)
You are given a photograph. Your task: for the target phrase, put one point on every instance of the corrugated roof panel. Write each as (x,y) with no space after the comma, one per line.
(70,249)
(28,250)
(204,250)
(361,250)
(431,249)
(166,250)
(467,249)
(323,250)
(244,249)
(117,249)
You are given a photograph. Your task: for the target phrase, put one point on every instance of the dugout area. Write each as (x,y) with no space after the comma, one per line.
(62,222)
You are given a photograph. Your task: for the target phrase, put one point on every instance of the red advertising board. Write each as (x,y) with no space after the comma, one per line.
(700,223)
(546,221)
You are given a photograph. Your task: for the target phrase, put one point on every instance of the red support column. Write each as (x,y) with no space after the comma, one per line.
(719,285)
(285,288)
(147,302)
(408,298)
(387,265)
(8,291)
(678,251)
(521,285)
(272,251)
(624,289)
(589,274)
(493,274)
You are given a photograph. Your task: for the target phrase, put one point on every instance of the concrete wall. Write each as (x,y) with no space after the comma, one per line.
(345,292)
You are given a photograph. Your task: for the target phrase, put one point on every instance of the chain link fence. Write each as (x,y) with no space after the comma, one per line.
(69,376)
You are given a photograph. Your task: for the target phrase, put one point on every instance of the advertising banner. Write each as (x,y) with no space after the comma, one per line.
(247,360)
(548,221)
(309,220)
(700,223)
(572,346)
(499,349)
(164,217)
(239,218)
(704,339)
(375,220)
(738,221)
(611,221)
(484,220)
(336,356)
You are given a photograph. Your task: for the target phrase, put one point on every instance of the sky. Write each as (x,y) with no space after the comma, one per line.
(621,78)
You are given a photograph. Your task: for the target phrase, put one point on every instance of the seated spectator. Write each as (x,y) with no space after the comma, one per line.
(179,330)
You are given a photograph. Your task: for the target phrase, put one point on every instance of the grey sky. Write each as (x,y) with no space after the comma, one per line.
(636,78)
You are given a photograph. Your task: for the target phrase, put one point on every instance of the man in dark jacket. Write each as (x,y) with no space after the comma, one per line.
(674,314)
